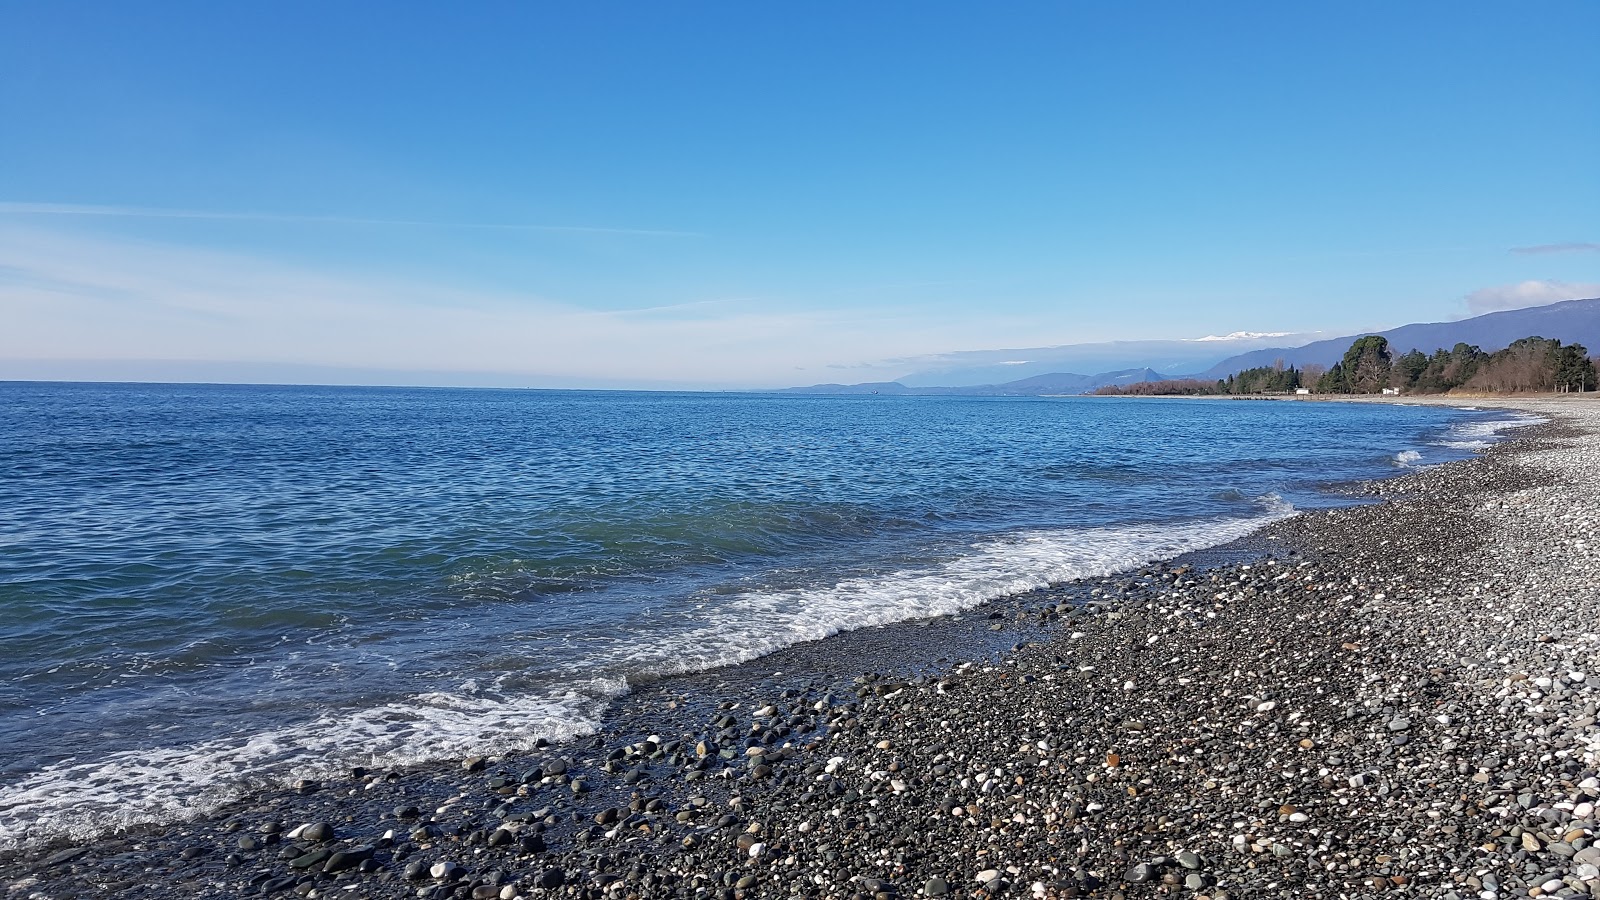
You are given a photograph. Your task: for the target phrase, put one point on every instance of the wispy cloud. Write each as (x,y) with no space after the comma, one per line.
(147,212)
(1526,294)
(1568,247)
(75,297)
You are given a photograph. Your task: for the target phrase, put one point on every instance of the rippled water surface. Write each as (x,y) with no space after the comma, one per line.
(203,584)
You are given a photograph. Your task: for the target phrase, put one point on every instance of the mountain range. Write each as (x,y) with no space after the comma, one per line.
(1055,383)
(1571,321)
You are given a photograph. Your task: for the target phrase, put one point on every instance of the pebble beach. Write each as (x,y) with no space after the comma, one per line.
(1395,697)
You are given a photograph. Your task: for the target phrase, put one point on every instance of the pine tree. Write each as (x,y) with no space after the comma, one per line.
(1366,365)
(1408,370)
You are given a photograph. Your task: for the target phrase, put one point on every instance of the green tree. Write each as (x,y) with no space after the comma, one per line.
(1574,370)
(1408,370)
(1273,379)
(1366,365)
(1333,381)
(1449,369)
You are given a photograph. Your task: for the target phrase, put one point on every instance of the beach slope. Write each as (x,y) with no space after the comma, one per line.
(1398,696)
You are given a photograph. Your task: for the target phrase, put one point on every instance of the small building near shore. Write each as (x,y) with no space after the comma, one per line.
(1302,390)
(1391,392)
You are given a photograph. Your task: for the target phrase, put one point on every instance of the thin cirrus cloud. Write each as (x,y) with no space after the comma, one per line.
(71,296)
(1527,293)
(148,212)
(1567,247)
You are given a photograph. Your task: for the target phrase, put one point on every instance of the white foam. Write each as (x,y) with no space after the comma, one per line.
(82,799)
(1405,459)
(1478,435)
(756,624)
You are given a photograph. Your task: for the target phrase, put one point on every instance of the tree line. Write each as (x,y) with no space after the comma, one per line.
(1529,365)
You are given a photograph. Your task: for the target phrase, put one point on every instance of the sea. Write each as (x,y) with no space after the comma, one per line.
(205,588)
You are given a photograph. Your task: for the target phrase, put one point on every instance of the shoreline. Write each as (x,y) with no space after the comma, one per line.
(1505,401)
(884,821)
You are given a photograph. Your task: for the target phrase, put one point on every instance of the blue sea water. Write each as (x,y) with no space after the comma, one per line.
(205,586)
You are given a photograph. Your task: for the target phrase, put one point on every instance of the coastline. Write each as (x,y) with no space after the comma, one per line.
(1206,686)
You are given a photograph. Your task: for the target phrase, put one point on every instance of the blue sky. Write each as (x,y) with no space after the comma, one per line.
(732,195)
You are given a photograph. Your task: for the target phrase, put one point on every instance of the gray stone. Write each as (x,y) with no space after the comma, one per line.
(65,856)
(307,860)
(347,859)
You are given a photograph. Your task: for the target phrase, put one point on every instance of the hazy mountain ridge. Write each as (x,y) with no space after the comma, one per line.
(982,368)
(1570,321)
(1034,386)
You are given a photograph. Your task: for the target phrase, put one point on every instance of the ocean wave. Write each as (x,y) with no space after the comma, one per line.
(761,622)
(1406,459)
(82,799)
(1485,433)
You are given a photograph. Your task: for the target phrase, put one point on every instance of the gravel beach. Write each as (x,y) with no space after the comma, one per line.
(1393,697)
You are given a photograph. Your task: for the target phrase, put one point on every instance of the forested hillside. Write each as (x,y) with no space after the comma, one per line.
(1528,365)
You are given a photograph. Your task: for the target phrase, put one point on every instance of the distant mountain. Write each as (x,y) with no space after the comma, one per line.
(1054,383)
(987,368)
(869,387)
(1570,321)
(1063,383)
